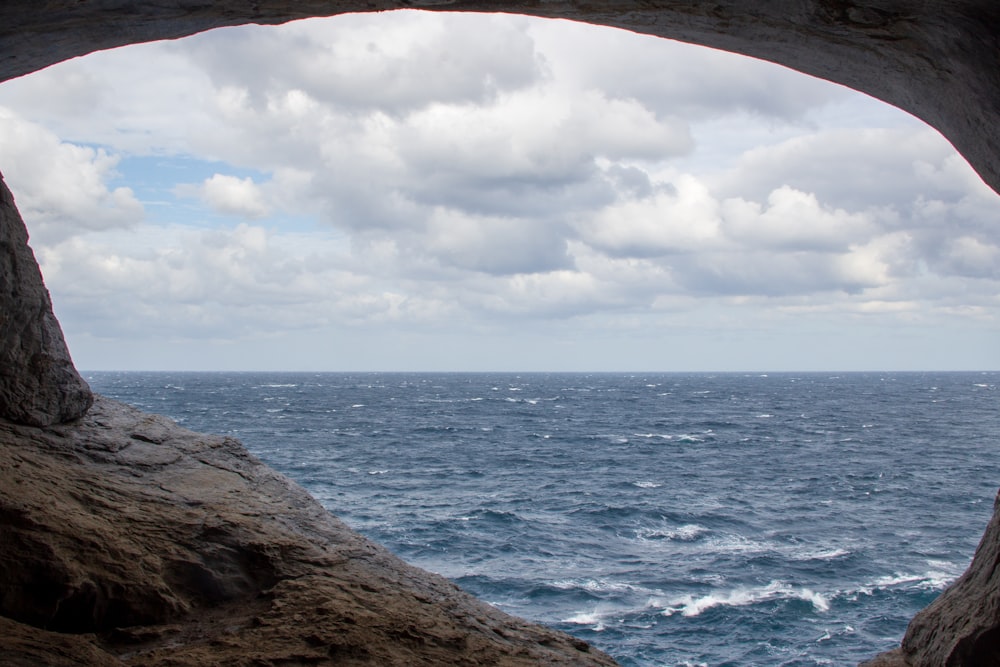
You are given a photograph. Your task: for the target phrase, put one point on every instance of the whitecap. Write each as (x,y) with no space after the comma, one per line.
(829,554)
(686,533)
(939,575)
(591,618)
(646,485)
(690,605)
(601,586)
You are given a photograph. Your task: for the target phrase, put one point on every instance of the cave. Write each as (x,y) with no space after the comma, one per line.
(937,61)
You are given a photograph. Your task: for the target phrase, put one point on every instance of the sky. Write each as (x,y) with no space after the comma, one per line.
(411,191)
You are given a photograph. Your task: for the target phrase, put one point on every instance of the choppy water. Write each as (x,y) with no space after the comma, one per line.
(668,519)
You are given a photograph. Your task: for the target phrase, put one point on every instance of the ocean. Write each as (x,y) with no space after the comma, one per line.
(669,519)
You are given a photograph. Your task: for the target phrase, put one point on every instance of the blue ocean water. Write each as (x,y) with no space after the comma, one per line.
(669,519)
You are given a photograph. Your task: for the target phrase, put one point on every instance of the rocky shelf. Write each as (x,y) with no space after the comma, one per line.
(127,539)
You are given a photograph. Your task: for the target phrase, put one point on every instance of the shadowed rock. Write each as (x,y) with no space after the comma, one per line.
(127,539)
(38,383)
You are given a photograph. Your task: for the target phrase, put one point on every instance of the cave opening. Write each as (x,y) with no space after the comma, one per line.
(492,235)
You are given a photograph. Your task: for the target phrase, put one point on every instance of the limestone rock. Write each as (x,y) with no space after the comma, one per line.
(38,383)
(125,539)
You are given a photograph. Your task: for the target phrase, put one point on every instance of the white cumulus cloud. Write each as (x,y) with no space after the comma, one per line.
(61,188)
(234,196)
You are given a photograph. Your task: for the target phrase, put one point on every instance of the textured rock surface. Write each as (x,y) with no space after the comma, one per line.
(938,59)
(38,383)
(125,539)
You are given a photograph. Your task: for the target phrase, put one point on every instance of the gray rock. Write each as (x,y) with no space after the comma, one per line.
(38,382)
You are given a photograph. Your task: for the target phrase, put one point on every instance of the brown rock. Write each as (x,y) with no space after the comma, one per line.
(38,383)
(125,539)
(962,626)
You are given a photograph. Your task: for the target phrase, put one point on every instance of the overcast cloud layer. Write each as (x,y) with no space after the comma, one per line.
(426,191)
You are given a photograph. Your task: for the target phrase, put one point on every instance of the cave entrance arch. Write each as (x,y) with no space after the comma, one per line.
(939,63)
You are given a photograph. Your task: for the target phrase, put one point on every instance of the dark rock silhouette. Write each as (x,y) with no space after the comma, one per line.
(38,382)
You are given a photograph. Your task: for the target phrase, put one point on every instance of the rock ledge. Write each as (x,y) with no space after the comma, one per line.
(127,539)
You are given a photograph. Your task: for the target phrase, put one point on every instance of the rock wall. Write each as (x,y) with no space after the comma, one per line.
(38,382)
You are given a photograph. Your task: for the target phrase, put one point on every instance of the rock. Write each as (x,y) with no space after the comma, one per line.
(39,384)
(890,659)
(127,539)
(937,60)
(962,626)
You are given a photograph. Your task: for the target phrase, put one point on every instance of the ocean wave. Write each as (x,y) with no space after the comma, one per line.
(751,547)
(937,578)
(691,605)
(594,618)
(686,533)
(601,586)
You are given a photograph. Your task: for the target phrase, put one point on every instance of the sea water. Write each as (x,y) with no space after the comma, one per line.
(696,519)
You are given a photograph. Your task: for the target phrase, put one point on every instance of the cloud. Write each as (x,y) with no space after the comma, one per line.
(973,258)
(500,246)
(233,196)
(794,221)
(395,62)
(858,168)
(488,174)
(676,78)
(682,217)
(61,188)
